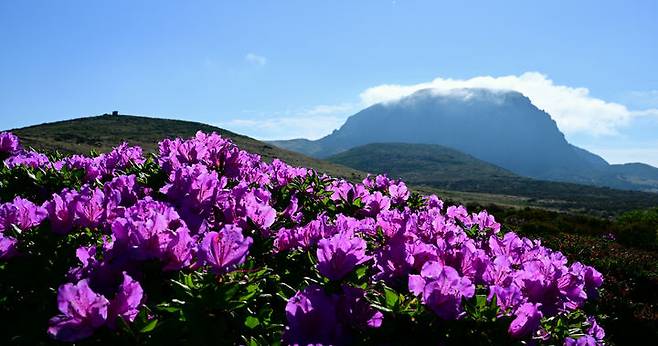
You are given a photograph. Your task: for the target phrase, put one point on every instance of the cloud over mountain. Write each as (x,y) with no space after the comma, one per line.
(573,108)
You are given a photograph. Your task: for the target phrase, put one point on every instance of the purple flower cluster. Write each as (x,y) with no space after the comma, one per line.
(339,254)
(9,143)
(317,318)
(226,249)
(92,207)
(19,215)
(215,153)
(434,253)
(177,232)
(217,199)
(30,159)
(442,289)
(152,230)
(104,165)
(206,201)
(83,310)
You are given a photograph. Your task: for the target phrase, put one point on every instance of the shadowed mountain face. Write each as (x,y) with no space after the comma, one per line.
(500,127)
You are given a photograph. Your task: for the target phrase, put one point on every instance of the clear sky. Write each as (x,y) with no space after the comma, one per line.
(285,69)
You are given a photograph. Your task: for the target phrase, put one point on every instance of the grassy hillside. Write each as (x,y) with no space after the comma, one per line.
(436,167)
(101,133)
(423,163)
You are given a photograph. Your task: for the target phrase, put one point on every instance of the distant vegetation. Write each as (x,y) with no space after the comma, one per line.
(442,168)
(639,228)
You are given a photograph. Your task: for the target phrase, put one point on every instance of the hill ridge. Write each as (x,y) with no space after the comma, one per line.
(102,132)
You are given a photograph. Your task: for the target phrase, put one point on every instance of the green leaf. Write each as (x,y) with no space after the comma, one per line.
(251,322)
(391,297)
(230,292)
(188,281)
(168,308)
(361,272)
(481,300)
(382,308)
(149,326)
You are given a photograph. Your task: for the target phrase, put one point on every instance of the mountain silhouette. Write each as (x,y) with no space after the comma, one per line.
(503,128)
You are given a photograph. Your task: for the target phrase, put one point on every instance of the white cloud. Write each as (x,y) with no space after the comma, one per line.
(573,108)
(255,59)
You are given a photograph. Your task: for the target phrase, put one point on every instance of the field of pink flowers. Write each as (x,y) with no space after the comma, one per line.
(207,243)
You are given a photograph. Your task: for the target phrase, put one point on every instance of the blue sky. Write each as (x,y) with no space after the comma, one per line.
(285,69)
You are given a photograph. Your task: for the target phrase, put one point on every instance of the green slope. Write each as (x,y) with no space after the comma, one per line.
(101,133)
(422,163)
(466,178)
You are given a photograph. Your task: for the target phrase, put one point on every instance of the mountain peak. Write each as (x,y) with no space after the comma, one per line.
(497,96)
(501,127)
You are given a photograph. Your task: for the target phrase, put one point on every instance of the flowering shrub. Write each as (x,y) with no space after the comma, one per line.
(206,243)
